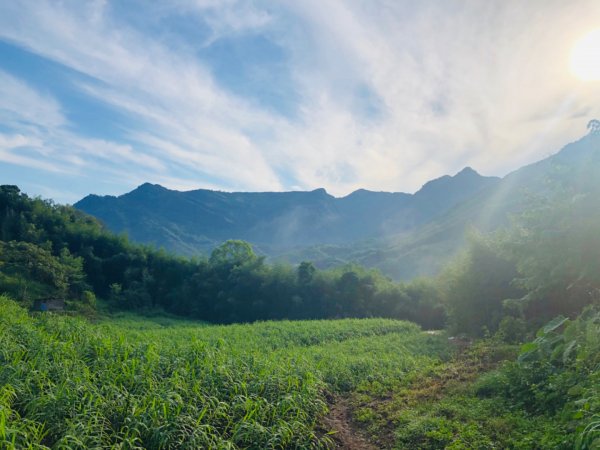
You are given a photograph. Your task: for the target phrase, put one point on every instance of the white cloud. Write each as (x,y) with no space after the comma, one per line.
(229,16)
(11,151)
(461,82)
(171,97)
(20,103)
(42,138)
(389,93)
(9,142)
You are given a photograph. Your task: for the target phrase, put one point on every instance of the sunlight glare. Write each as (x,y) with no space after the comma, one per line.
(585,57)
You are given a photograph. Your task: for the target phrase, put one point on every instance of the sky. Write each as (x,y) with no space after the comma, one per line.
(239,95)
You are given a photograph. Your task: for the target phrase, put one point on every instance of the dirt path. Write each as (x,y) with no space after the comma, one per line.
(348,435)
(463,369)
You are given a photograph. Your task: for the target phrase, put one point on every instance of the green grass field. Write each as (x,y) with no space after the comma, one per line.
(131,382)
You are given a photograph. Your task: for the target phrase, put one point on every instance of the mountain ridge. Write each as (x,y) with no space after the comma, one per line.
(194,221)
(147,186)
(425,250)
(403,235)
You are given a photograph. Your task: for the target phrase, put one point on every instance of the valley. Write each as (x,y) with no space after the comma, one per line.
(152,350)
(402,235)
(299,225)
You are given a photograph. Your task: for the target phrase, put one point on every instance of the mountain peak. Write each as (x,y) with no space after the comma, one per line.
(150,187)
(469,171)
(319,193)
(464,183)
(146,190)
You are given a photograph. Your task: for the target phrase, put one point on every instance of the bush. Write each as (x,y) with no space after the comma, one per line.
(512,330)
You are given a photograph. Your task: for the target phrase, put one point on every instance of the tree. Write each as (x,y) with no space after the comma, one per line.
(232,253)
(556,247)
(38,273)
(476,285)
(305,273)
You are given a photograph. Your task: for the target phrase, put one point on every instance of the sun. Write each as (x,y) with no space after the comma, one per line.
(585,57)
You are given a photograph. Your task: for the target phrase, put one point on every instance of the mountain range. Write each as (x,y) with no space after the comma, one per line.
(404,235)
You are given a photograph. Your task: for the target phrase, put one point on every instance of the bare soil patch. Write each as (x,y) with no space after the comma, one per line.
(347,435)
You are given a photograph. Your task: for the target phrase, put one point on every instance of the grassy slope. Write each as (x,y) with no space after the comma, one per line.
(139,383)
(131,382)
(442,410)
(482,399)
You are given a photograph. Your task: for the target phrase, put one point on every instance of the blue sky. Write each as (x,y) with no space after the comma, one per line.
(101,96)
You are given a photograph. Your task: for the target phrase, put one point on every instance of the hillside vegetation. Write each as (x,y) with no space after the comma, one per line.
(428,248)
(277,223)
(51,250)
(521,305)
(403,236)
(133,383)
(546,263)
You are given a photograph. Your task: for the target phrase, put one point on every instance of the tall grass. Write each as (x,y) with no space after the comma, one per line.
(134,383)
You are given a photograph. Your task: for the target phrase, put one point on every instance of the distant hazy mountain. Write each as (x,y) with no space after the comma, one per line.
(403,235)
(275,222)
(425,249)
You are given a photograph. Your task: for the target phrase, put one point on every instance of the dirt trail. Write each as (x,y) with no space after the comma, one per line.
(348,435)
(463,369)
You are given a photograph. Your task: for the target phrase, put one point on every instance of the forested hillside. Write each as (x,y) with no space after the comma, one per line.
(546,261)
(425,250)
(57,251)
(195,222)
(535,281)
(403,236)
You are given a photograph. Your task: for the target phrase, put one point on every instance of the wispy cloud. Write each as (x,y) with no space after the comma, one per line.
(22,105)
(173,98)
(40,136)
(386,95)
(459,81)
(11,151)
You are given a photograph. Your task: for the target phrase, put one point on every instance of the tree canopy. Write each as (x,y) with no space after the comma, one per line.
(52,249)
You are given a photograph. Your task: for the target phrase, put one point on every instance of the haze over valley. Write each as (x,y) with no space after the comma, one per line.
(403,235)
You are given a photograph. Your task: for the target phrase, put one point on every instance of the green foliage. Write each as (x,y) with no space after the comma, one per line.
(233,253)
(88,298)
(512,330)
(475,287)
(460,421)
(557,374)
(449,406)
(50,250)
(306,272)
(589,438)
(547,263)
(555,245)
(157,384)
(30,271)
